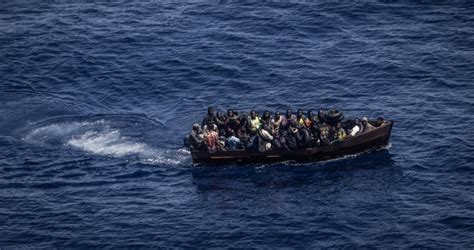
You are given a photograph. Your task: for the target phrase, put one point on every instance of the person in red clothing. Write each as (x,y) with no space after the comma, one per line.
(211,137)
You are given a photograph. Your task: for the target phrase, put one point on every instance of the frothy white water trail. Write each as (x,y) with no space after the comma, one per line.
(99,138)
(51,133)
(163,157)
(107,143)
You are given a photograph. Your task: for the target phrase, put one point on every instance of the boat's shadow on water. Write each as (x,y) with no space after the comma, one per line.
(377,168)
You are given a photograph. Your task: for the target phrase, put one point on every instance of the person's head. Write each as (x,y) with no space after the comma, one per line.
(356,120)
(299,113)
(380,121)
(365,120)
(266,114)
(321,114)
(220,115)
(253,114)
(289,112)
(277,115)
(210,110)
(245,116)
(196,127)
(310,114)
(338,125)
(230,112)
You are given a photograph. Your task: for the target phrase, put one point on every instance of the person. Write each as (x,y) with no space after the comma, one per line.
(293,137)
(221,122)
(356,127)
(325,135)
(230,114)
(275,123)
(340,132)
(231,123)
(380,121)
(300,118)
(211,138)
(264,139)
(208,127)
(312,124)
(266,118)
(244,126)
(321,118)
(289,116)
(196,138)
(309,119)
(243,129)
(254,122)
(367,125)
(210,117)
(232,142)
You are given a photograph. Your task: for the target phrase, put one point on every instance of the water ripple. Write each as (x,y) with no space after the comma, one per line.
(96,97)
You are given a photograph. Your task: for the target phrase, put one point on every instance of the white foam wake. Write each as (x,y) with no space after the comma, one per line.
(107,143)
(99,138)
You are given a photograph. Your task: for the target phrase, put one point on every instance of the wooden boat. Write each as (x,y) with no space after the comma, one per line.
(365,141)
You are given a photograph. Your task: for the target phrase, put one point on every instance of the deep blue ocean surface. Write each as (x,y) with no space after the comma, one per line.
(96,97)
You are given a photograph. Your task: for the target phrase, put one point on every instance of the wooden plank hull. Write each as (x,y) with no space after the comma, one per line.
(365,141)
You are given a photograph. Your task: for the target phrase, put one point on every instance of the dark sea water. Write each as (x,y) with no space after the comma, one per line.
(96,97)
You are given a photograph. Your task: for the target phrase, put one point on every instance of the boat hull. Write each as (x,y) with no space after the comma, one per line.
(369,140)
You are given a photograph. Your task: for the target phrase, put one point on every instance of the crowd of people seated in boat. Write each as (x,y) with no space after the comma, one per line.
(242,131)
